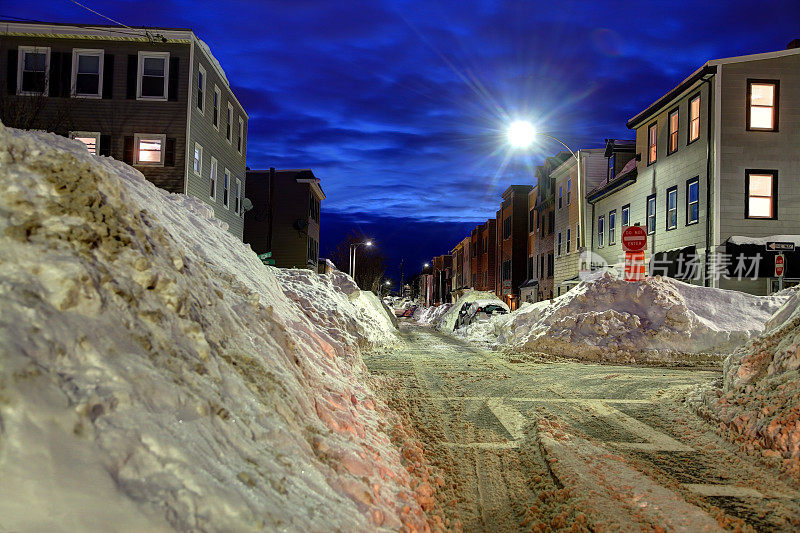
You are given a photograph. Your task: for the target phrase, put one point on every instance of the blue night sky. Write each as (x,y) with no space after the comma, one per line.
(400,107)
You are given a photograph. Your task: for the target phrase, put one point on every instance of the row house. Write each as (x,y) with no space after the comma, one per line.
(529,290)
(512,244)
(442,278)
(715,175)
(543,254)
(461,267)
(155,98)
(485,265)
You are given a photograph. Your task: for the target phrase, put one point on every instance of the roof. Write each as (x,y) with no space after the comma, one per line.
(619,145)
(300,175)
(708,69)
(625,176)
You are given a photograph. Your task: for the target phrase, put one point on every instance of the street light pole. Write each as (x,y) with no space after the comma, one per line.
(353,248)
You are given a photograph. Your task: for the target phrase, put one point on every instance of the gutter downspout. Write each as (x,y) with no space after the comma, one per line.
(706,280)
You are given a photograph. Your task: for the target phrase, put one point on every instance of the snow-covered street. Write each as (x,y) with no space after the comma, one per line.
(527,442)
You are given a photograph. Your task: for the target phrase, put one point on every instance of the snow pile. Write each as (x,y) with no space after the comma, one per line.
(760,399)
(430,316)
(658,318)
(448,320)
(156,376)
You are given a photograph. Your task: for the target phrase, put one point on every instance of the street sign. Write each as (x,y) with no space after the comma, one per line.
(266,255)
(507,284)
(634,239)
(634,266)
(780,246)
(780,263)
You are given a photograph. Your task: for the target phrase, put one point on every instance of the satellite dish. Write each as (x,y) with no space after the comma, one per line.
(247,205)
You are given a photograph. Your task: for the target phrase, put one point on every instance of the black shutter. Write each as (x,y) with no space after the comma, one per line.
(65,77)
(127,152)
(108,76)
(11,72)
(133,67)
(174,66)
(105,145)
(169,152)
(54,76)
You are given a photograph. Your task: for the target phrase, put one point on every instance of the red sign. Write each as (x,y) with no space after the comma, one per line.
(634,239)
(634,266)
(779,264)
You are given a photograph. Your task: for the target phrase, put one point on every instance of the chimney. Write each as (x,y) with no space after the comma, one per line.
(794,43)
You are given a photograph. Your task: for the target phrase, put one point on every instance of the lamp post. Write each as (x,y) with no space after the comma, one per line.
(521,134)
(353,248)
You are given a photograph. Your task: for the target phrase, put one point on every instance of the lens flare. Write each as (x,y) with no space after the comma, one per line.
(521,133)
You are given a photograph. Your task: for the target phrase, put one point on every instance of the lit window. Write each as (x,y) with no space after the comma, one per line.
(692,201)
(240,139)
(153,68)
(197,164)
(694,118)
(761,185)
(201,88)
(229,124)
(149,149)
(672,208)
(226,184)
(612,227)
(237,197)
(626,215)
(90,138)
(34,62)
(672,143)
(87,71)
(651,214)
(652,136)
(601,230)
(213,176)
(215,114)
(762,106)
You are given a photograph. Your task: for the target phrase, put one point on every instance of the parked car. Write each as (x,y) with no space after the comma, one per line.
(479,310)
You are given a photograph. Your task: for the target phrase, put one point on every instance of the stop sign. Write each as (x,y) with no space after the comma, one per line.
(634,239)
(779,264)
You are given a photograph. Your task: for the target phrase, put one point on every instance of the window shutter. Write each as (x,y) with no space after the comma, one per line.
(169,152)
(127,152)
(174,69)
(133,67)
(105,145)
(11,72)
(108,76)
(65,79)
(54,76)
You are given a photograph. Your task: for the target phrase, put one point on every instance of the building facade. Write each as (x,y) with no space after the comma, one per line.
(545,223)
(486,260)
(512,247)
(155,98)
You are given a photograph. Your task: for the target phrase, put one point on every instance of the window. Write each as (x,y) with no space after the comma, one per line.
(762,105)
(550,265)
(506,270)
(551,222)
(314,208)
(507,227)
(692,201)
(611,167)
(474,279)
(760,187)
(626,215)
(558,248)
(531,220)
(612,227)
(153,79)
(34,63)
(672,208)
(215,105)
(652,138)
(201,88)
(226,185)
(149,149)
(237,197)
(240,139)
(672,141)
(577,236)
(313,250)
(197,165)
(651,213)
(213,190)
(486,244)
(568,239)
(541,268)
(87,71)
(601,230)
(694,118)
(90,138)
(569,190)
(530,266)
(560,194)
(229,123)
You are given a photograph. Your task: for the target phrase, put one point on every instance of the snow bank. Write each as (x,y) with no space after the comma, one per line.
(430,316)
(759,402)
(658,318)
(155,375)
(448,320)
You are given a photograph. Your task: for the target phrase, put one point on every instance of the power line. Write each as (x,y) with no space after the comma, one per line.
(100,14)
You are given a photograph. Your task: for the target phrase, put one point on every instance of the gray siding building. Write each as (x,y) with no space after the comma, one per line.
(716,166)
(155,98)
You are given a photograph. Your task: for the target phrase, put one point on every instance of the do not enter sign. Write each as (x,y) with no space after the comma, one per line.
(634,239)
(779,265)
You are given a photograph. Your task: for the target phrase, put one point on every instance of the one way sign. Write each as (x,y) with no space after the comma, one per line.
(780,246)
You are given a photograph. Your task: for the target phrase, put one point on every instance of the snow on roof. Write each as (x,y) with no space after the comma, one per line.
(740,239)
(205,48)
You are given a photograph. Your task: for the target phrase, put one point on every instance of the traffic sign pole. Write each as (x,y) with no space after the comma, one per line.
(780,266)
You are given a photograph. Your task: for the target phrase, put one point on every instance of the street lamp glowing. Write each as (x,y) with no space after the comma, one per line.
(426,265)
(388,282)
(521,133)
(368,243)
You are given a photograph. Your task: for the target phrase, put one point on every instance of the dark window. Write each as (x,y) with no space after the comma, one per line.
(550,265)
(34,70)
(558,247)
(506,270)
(560,195)
(612,227)
(530,266)
(692,201)
(201,85)
(215,114)
(507,227)
(651,213)
(601,230)
(551,223)
(154,71)
(87,74)
(760,188)
(672,208)
(672,142)
(762,105)
(626,215)
(694,118)
(531,220)
(569,190)
(568,239)
(652,138)
(611,165)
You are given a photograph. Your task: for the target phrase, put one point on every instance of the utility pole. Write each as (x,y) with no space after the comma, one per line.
(402,279)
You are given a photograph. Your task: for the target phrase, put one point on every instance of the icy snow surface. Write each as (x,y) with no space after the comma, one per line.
(155,375)
(610,319)
(430,316)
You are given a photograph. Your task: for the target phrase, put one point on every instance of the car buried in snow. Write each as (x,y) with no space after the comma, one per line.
(479,311)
